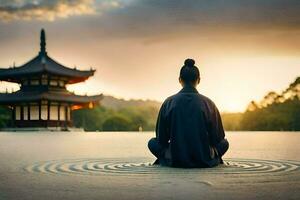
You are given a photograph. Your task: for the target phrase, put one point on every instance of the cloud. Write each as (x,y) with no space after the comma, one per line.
(49,10)
(148,17)
(268,25)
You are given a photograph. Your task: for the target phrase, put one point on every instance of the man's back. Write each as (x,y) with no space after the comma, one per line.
(185,126)
(189,131)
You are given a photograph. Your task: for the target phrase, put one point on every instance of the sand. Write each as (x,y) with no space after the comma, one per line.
(118,166)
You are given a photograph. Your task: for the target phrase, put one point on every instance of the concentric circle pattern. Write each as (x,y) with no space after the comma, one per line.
(143,166)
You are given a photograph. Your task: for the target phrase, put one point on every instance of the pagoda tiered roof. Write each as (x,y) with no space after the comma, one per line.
(67,97)
(43,99)
(40,66)
(43,64)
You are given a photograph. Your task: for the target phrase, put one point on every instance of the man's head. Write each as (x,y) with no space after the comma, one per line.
(189,74)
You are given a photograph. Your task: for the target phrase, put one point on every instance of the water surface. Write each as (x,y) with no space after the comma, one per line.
(98,165)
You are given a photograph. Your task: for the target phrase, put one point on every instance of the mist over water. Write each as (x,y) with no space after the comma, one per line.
(26,147)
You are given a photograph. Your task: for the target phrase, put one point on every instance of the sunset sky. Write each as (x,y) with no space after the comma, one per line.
(243,48)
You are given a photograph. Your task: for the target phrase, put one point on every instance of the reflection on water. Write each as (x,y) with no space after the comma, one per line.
(27,147)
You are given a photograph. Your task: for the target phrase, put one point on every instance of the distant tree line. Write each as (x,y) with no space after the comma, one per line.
(275,112)
(124,119)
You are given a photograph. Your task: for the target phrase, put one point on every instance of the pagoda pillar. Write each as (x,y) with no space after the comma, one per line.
(13,116)
(40,111)
(58,115)
(22,113)
(48,113)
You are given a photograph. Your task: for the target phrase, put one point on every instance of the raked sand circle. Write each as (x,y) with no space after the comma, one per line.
(143,166)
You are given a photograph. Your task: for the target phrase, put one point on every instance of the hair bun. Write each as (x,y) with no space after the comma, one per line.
(189,62)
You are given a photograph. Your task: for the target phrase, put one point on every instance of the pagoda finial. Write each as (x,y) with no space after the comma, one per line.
(43,42)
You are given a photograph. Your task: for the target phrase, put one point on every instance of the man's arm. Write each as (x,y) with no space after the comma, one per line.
(162,130)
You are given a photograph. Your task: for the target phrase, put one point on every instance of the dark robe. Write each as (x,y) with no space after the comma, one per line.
(189,127)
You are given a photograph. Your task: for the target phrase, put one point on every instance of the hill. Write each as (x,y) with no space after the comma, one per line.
(116,103)
(275,112)
(115,114)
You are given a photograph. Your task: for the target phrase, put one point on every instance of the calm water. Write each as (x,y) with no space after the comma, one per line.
(259,165)
(26,147)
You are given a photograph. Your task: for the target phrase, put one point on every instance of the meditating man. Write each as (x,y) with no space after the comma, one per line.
(189,130)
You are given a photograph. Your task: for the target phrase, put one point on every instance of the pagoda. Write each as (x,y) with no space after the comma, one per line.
(43,100)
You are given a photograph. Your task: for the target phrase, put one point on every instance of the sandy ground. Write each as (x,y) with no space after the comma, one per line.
(117,166)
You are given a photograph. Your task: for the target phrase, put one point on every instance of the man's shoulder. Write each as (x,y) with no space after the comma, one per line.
(169,99)
(178,96)
(182,95)
(206,99)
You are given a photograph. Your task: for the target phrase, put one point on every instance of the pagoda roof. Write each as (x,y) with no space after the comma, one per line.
(67,97)
(43,64)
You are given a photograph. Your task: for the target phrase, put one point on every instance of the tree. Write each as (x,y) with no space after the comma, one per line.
(5,117)
(277,112)
(117,123)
